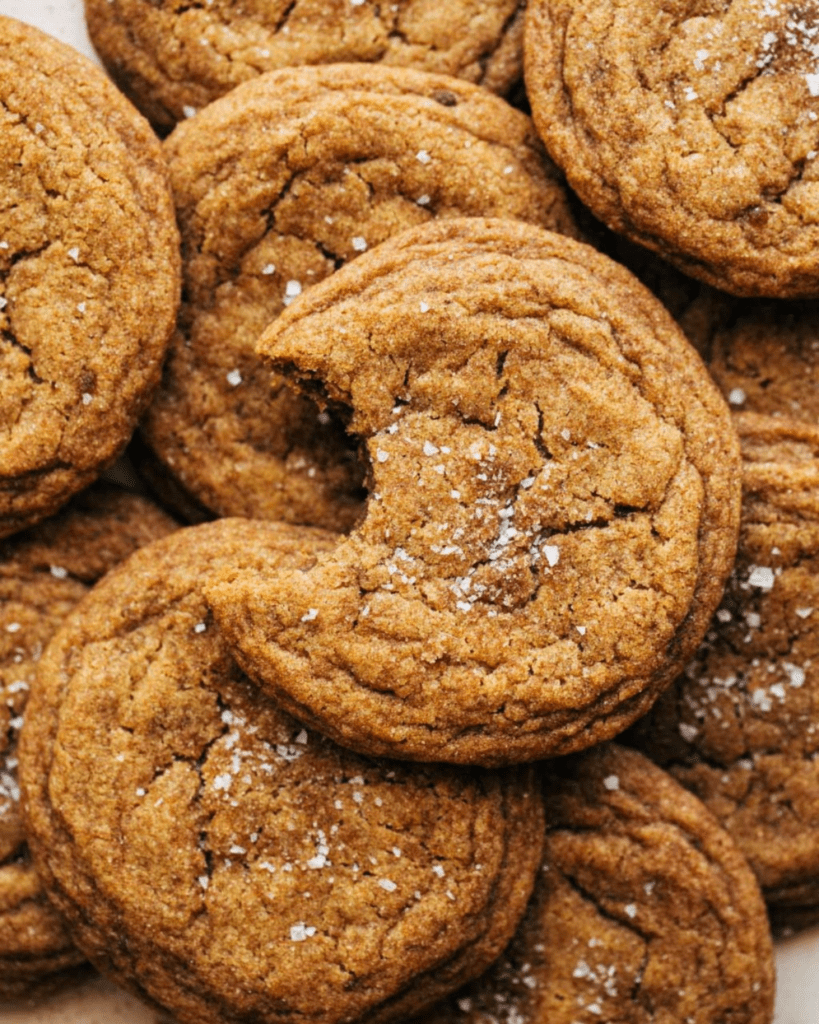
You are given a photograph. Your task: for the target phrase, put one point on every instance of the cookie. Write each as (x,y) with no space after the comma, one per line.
(211,853)
(738,728)
(277,185)
(765,359)
(89,272)
(644,910)
(700,310)
(554,490)
(43,573)
(171,61)
(691,130)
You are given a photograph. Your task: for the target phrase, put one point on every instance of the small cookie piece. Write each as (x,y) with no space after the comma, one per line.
(765,359)
(43,573)
(644,911)
(553,508)
(277,185)
(172,61)
(89,272)
(210,852)
(739,727)
(691,130)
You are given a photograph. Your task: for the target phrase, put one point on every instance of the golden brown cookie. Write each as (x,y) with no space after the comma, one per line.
(89,272)
(692,129)
(644,912)
(765,358)
(739,727)
(211,853)
(173,60)
(43,573)
(277,185)
(554,492)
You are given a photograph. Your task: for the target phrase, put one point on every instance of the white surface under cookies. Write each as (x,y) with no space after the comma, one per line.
(96,1001)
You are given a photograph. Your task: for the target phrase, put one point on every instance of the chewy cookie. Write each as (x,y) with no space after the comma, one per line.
(172,60)
(644,911)
(89,272)
(43,573)
(739,727)
(211,853)
(691,129)
(765,358)
(277,185)
(553,509)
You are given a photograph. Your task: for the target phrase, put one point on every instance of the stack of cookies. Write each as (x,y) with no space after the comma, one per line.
(467,501)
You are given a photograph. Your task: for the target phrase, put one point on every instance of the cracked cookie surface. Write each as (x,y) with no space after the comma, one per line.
(554,490)
(173,59)
(289,879)
(44,572)
(276,186)
(689,127)
(644,912)
(89,272)
(738,728)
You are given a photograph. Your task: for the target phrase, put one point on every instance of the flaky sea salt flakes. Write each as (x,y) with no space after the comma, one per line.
(423,156)
(299,932)
(631,909)
(803,613)
(81,307)
(423,200)
(234,378)
(387,884)
(437,869)
(552,553)
(736,396)
(58,572)
(188,111)
(611,782)
(424,307)
(87,399)
(813,84)
(796,675)
(200,627)
(3,302)
(204,881)
(359,243)
(13,627)
(688,732)
(761,576)
(291,290)
(74,253)
(309,615)
(381,455)
(268,269)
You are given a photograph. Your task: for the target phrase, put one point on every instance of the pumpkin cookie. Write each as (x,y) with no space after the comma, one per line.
(554,501)
(210,852)
(171,61)
(43,574)
(644,911)
(691,129)
(276,186)
(89,272)
(739,727)
(765,358)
